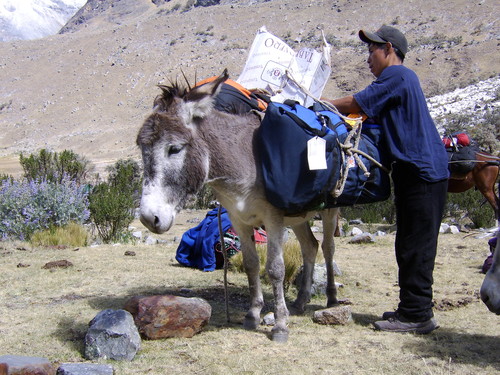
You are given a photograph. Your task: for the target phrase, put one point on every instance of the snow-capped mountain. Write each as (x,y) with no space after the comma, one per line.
(34,19)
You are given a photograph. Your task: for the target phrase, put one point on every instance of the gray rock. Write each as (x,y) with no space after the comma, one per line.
(84,369)
(355,231)
(268,319)
(112,334)
(318,286)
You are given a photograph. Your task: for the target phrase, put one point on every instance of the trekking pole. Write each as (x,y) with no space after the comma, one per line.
(226,262)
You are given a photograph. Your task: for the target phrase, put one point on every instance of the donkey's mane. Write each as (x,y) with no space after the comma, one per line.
(169,93)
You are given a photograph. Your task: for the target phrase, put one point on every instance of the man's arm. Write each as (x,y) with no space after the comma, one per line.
(346,104)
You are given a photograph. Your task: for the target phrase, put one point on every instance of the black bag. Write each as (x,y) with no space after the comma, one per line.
(462,159)
(359,188)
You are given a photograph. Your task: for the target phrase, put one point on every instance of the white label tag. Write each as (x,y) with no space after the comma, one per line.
(316,153)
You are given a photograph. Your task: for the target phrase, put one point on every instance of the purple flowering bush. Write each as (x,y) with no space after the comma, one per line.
(27,206)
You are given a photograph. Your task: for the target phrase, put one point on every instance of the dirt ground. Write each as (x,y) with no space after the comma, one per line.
(46,312)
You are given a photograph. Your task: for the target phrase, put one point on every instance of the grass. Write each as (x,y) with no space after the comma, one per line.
(69,235)
(46,313)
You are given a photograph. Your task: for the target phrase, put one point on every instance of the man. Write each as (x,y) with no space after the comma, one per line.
(419,172)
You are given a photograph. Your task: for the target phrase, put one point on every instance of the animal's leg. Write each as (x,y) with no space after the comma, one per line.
(252,269)
(275,267)
(329,225)
(485,177)
(309,248)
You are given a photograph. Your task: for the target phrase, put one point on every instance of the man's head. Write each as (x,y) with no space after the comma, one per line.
(387,46)
(387,34)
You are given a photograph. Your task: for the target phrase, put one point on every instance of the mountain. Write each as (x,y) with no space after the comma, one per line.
(34,19)
(90,88)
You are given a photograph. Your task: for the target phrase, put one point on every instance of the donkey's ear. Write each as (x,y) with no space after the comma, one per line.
(207,89)
(200,100)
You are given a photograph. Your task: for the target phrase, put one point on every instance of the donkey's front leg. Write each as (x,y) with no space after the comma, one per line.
(275,267)
(329,217)
(252,268)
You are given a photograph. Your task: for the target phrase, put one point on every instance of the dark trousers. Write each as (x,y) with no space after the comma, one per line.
(419,210)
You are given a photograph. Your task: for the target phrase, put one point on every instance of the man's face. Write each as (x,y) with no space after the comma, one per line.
(377,58)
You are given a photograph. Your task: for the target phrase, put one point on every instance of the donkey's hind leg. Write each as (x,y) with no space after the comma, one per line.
(309,249)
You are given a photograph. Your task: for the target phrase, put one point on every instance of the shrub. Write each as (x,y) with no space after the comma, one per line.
(54,167)
(112,203)
(111,211)
(465,204)
(28,206)
(379,212)
(126,174)
(72,234)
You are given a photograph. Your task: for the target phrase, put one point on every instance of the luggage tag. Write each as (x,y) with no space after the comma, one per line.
(316,153)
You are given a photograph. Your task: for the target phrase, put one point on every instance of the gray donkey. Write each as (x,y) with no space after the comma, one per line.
(185,143)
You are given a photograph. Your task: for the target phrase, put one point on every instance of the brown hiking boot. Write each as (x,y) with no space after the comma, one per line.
(396,323)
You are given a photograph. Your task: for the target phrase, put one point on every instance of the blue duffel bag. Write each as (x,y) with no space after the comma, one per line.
(282,148)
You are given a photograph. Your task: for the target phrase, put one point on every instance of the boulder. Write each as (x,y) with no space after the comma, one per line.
(318,286)
(20,365)
(84,369)
(164,316)
(112,334)
(337,315)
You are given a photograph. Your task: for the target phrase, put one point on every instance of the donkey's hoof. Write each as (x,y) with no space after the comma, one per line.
(279,336)
(250,324)
(297,309)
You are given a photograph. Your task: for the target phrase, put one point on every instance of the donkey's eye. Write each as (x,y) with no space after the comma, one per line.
(174,149)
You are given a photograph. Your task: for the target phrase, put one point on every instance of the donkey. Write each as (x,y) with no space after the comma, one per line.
(490,290)
(185,143)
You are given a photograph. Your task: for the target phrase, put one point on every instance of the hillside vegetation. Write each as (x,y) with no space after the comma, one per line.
(89,88)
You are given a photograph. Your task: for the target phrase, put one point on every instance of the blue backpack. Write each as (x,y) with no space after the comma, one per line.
(282,148)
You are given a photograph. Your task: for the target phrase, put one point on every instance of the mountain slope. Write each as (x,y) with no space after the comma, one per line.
(90,88)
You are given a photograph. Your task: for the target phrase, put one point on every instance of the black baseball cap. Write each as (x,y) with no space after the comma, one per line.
(386,34)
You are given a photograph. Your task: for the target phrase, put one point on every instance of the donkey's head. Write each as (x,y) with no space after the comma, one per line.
(175,157)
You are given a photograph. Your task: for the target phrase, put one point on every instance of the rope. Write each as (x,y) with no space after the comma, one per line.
(347,147)
(226,262)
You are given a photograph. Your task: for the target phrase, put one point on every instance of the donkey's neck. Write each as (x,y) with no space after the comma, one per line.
(232,160)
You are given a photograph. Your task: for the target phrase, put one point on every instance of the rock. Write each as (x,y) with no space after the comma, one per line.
(150,240)
(137,234)
(20,365)
(453,229)
(166,316)
(355,222)
(362,238)
(268,319)
(84,369)
(112,334)
(443,228)
(318,286)
(337,315)
(58,264)
(355,231)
